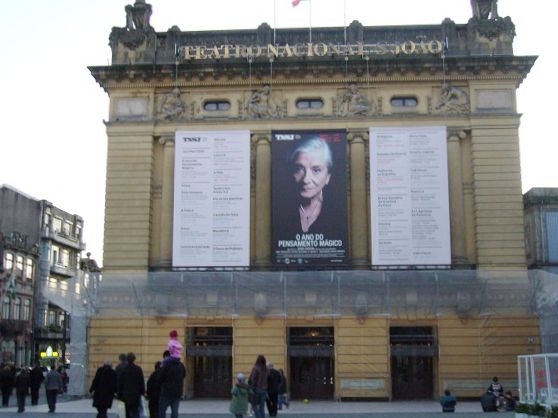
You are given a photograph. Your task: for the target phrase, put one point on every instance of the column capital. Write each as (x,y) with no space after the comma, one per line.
(166,140)
(456,135)
(357,134)
(261,137)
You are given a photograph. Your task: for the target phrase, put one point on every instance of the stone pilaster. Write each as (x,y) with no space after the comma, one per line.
(359,206)
(263,199)
(457,208)
(167,202)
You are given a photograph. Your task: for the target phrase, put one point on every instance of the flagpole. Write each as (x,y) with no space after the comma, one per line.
(345,20)
(274,19)
(310,19)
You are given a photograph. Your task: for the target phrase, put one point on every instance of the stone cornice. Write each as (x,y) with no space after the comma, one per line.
(295,72)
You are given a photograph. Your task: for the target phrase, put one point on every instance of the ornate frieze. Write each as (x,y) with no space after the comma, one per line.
(453,100)
(262,104)
(350,102)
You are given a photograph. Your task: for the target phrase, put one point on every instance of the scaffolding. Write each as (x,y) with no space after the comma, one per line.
(319,294)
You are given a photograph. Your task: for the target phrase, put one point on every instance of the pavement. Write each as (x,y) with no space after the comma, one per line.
(82,408)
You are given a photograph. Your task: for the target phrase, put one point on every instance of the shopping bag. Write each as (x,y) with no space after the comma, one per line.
(120,409)
(143,408)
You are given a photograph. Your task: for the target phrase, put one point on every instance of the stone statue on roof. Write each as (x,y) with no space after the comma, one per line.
(485,9)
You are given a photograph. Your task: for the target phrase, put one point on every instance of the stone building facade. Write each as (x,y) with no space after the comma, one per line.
(42,250)
(354,330)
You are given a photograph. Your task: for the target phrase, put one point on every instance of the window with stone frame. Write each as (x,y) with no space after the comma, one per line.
(9,262)
(57,224)
(19,267)
(17,309)
(29,268)
(67,228)
(6,307)
(26,309)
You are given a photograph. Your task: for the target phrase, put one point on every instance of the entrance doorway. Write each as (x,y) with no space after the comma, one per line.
(211,350)
(311,361)
(413,351)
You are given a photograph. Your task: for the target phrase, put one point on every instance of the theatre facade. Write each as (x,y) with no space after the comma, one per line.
(345,201)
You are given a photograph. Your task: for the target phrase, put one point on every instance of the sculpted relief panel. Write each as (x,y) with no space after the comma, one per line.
(351,102)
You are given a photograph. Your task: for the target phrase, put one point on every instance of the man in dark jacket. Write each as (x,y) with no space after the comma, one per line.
(103,388)
(53,387)
(171,379)
(22,388)
(36,378)
(154,391)
(273,383)
(131,386)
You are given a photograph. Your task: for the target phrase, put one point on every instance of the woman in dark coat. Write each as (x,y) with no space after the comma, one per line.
(7,378)
(103,389)
(258,383)
(154,391)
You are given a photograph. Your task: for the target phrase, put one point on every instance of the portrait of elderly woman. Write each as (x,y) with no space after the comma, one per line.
(309,197)
(311,164)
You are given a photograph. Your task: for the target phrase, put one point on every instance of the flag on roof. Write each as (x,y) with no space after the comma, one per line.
(296,2)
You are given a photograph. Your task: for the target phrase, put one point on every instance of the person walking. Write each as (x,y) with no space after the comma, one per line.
(103,388)
(258,383)
(36,378)
(171,378)
(6,384)
(131,386)
(283,389)
(154,391)
(273,383)
(22,381)
(53,386)
(240,394)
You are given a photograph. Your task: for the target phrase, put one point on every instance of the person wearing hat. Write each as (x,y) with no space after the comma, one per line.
(241,393)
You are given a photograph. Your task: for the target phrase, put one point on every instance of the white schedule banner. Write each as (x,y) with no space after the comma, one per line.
(211,199)
(410,199)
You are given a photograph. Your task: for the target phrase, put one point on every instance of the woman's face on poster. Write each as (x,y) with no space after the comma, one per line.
(311,173)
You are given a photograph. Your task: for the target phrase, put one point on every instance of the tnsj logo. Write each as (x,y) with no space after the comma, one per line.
(192,139)
(286,137)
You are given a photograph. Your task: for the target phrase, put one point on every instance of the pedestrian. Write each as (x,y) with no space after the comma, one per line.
(497,390)
(174,346)
(36,378)
(448,402)
(258,383)
(241,393)
(65,379)
(171,378)
(154,391)
(22,382)
(53,387)
(103,388)
(273,383)
(282,398)
(121,364)
(131,386)
(7,378)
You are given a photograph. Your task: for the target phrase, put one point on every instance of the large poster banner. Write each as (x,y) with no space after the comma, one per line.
(309,194)
(211,199)
(409,192)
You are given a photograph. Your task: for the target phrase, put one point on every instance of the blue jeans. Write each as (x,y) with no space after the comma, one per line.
(165,402)
(258,403)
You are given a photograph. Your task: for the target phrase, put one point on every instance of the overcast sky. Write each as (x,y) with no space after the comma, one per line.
(53,141)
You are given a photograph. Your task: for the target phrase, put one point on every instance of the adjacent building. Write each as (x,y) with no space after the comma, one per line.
(345,201)
(42,252)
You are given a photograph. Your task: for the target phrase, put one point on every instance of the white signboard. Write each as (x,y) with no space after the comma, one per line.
(211,199)
(409,191)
